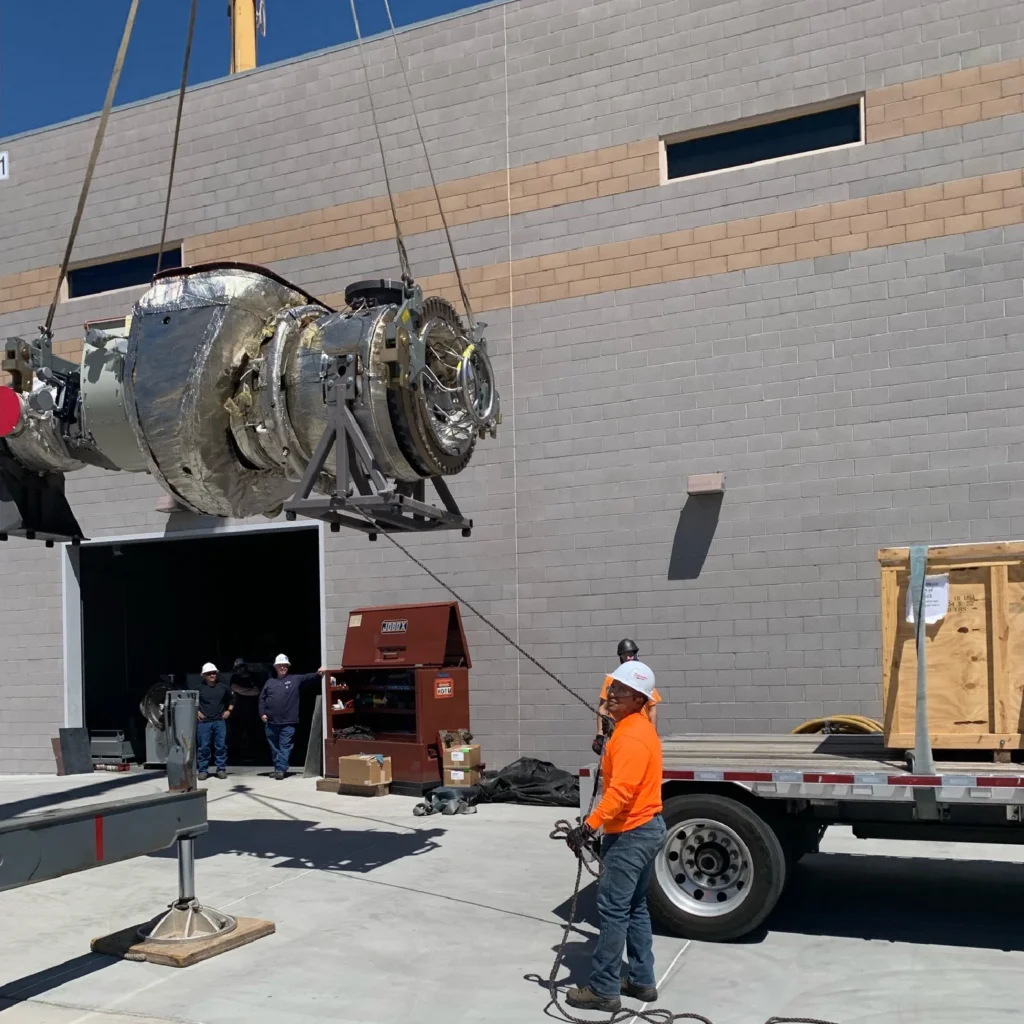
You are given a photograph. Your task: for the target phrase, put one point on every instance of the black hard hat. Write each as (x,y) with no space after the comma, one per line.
(627,647)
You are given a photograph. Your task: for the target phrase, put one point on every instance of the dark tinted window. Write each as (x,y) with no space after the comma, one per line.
(803,134)
(106,277)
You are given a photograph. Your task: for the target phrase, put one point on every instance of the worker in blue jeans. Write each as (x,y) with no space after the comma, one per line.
(279,709)
(630,815)
(216,702)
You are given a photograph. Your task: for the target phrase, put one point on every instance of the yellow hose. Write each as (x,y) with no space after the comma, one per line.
(840,723)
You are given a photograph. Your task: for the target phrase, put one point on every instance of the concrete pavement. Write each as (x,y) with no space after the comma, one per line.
(383,917)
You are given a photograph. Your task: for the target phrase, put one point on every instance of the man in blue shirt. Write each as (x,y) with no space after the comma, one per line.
(279,709)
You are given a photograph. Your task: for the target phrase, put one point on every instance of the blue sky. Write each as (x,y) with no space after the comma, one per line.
(56,55)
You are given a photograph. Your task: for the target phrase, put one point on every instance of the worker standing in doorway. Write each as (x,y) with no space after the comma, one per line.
(279,709)
(634,830)
(627,651)
(216,702)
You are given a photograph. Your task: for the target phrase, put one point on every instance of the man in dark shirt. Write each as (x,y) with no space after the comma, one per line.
(216,702)
(279,709)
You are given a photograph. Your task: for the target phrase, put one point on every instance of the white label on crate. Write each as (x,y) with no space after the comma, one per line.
(936,599)
(458,755)
(394,626)
(5,166)
(456,775)
(354,620)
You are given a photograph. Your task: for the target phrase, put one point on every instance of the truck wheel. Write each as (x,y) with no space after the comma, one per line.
(720,870)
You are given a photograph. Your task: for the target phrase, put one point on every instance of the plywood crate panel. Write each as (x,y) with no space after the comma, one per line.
(974,655)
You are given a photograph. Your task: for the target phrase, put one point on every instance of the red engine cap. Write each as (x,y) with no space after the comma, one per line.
(10,410)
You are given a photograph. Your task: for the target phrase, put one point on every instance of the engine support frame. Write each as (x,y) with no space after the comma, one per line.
(363,499)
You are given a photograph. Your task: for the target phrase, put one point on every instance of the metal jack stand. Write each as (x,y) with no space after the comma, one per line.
(921,762)
(187,918)
(376,505)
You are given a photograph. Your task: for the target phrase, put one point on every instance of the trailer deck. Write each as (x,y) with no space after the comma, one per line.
(742,811)
(836,767)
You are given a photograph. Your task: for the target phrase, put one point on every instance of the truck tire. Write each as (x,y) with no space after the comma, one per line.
(720,871)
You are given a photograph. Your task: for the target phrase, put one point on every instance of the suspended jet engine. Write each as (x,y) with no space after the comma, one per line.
(233,388)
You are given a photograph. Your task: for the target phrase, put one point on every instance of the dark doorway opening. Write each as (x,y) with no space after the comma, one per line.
(152,610)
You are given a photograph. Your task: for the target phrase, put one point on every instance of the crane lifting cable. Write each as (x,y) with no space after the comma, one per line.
(97,143)
(232,388)
(177,132)
(430,167)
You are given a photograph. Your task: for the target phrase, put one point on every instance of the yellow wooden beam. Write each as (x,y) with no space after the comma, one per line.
(243,35)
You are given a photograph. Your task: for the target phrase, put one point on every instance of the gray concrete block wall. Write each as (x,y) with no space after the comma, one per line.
(851,401)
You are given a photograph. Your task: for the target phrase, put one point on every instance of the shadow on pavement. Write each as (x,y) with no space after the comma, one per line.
(304,844)
(971,903)
(47,980)
(968,903)
(110,785)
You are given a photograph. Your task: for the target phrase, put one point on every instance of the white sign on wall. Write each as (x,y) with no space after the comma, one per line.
(5,166)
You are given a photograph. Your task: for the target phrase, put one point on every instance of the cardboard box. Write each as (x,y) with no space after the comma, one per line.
(461,776)
(364,770)
(461,757)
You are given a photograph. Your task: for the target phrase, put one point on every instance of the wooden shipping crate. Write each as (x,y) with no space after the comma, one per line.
(974,654)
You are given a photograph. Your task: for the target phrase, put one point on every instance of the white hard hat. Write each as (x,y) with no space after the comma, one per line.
(637,676)
(209,667)
(281,659)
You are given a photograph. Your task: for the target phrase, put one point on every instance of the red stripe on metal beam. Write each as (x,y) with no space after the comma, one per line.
(1008,781)
(748,777)
(915,780)
(829,779)
(584,773)
(684,776)
(98,821)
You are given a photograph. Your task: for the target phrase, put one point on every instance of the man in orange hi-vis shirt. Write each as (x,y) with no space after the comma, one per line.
(627,651)
(630,814)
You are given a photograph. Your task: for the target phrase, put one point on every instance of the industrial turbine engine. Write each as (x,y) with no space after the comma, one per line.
(231,387)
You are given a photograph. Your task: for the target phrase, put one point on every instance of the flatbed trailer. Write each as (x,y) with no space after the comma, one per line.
(742,810)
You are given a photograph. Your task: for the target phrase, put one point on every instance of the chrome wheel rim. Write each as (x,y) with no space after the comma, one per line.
(704,868)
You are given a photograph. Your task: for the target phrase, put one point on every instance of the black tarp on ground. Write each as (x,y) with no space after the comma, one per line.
(527,781)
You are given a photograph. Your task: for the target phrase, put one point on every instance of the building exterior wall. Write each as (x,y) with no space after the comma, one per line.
(839,333)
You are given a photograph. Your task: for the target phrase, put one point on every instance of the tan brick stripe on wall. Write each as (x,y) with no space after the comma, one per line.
(538,186)
(955,98)
(945,101)
(27,290)
(889,218)
(953,208)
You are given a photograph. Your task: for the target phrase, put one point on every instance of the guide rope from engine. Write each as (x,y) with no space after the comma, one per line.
(563,827)
(476,611)
(177,132)
(97,143)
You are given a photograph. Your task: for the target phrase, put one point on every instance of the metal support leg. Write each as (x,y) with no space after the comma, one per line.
(923,761)
(187,919)
(186,870)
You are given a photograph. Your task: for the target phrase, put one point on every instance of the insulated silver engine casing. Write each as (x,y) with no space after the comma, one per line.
(189,336)
(224,384)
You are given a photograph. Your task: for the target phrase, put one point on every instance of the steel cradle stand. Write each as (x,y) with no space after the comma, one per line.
(363,500)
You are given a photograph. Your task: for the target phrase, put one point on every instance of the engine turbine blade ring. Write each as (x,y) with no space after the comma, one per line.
(476,377)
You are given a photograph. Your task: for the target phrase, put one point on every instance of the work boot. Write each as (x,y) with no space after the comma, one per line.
(279,775)
(203,776)
(645,993)
(586,999)
(221,774)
